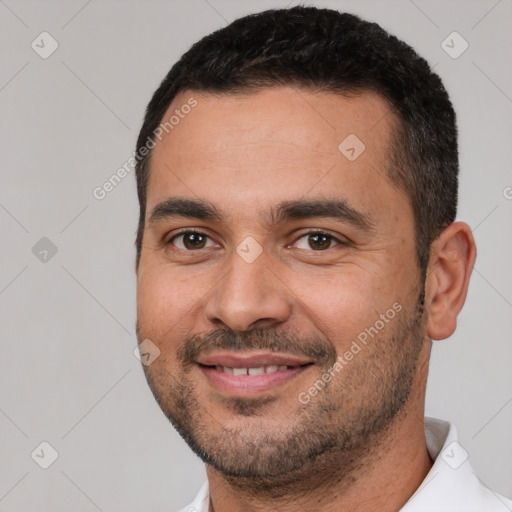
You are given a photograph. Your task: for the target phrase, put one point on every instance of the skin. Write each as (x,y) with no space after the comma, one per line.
(245,154)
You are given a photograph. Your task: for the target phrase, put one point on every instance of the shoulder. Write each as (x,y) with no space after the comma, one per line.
(452,485)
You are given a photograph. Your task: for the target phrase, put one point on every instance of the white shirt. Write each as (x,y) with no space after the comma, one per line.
(450,486)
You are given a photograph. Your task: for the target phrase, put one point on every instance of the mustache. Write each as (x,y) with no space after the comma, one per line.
(317,349)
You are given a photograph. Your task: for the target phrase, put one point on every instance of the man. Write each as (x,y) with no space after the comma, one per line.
(296,256)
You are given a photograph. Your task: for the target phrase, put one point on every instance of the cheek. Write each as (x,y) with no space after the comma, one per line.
(161,301)
(168,304)
(338,304)
(346,303)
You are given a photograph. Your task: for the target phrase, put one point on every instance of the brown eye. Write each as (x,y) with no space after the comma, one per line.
(318,241)
(190,240)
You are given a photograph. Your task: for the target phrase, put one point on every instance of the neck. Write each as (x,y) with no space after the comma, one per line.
(383,479)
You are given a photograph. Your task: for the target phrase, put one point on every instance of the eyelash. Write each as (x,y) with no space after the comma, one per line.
(308,233)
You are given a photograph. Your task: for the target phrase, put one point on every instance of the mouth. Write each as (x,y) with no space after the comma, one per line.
(250,373)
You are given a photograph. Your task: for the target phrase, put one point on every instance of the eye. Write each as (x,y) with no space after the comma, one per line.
(318,241)
(190,240)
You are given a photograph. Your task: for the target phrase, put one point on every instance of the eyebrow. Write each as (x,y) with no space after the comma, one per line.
(337,209)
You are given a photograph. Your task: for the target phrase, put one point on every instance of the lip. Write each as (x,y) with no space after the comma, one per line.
(251,358)
(250,385)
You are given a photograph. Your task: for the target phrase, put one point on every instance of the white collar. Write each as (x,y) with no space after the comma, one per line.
(450,486)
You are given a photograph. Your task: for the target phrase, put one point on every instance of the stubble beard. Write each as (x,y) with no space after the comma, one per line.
(323,442)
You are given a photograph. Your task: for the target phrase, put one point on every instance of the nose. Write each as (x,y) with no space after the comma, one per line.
(250,295)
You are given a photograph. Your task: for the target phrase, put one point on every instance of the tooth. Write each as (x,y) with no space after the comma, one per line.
(256,371)
(239,371)
(227,370)
(271,369)
(284,367)
(219,368)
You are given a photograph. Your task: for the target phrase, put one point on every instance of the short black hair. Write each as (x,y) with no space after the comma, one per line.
(325,50)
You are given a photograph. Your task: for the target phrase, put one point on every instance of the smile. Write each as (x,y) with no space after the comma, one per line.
(250,373)
(259,370)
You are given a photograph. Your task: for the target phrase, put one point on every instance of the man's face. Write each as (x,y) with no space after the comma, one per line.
(323,309)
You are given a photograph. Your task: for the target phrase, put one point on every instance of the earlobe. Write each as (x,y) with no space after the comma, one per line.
(452,257)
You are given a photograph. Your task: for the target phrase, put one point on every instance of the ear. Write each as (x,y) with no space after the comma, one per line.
(452,256)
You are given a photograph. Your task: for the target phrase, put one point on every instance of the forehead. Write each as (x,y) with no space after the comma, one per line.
(276,142)
(300,117)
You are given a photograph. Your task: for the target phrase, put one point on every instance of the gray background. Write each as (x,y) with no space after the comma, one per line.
(68,374)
